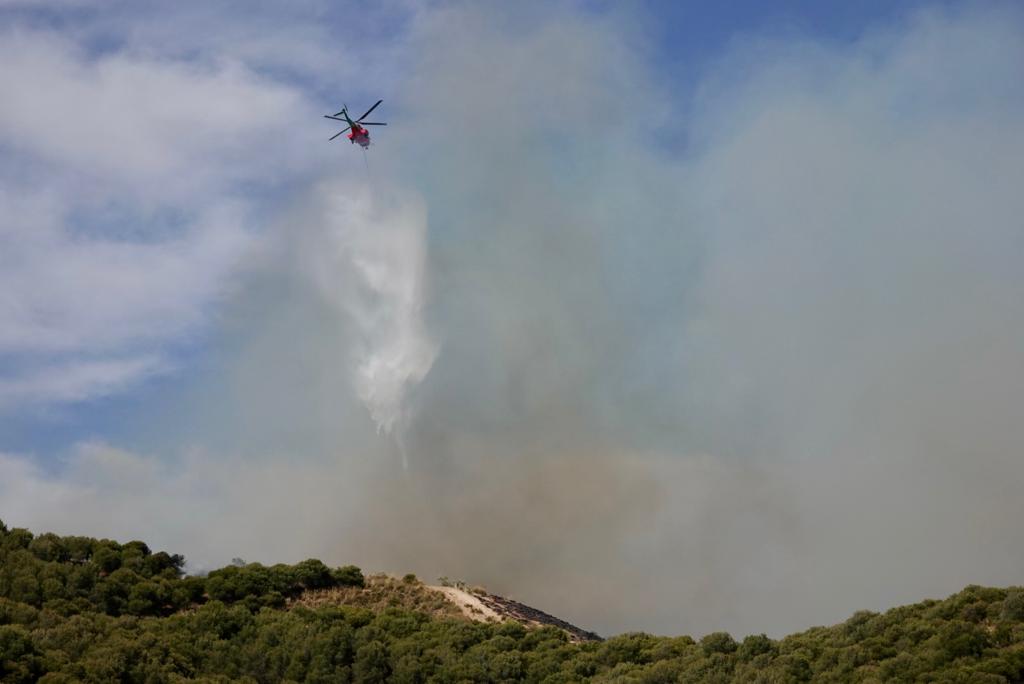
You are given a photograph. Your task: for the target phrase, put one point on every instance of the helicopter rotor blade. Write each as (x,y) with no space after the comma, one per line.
(371,123)
(360,119)
(339,132)
(336,118)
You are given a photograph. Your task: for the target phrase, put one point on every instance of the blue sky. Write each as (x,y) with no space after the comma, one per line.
(652,295)
(690,34)
(684,39)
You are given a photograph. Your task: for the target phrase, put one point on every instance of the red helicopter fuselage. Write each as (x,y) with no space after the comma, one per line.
(360,135)
(357,132)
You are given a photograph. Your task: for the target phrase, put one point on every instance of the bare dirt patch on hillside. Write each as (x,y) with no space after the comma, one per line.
(470,605)
(384,591)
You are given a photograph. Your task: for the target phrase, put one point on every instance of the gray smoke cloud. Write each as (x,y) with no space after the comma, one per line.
(756,385)
(746,390)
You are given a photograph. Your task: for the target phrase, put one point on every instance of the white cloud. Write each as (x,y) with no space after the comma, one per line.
(131,189)
(43,4)
(76,381)
(84,316)
(71,294)
(157,128)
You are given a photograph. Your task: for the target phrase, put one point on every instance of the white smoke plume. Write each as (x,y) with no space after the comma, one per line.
(371,268)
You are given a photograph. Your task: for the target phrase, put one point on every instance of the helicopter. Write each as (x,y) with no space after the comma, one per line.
(359,134)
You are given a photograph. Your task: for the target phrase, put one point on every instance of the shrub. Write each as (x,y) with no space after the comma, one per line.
(348,576)
(755,645)
(1013,605)
(718,642)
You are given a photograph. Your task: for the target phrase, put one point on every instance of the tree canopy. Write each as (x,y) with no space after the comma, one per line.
(82,609)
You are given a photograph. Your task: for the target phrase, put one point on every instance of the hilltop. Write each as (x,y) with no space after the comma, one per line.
(83,609)
(380,592)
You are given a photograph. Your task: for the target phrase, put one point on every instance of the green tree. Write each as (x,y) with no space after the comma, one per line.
(371,664)
(349,576)
(718,642)
(1013,606)
(313,574)
(19,659)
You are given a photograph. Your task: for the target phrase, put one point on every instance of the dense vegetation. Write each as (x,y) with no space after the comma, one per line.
(75,608)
